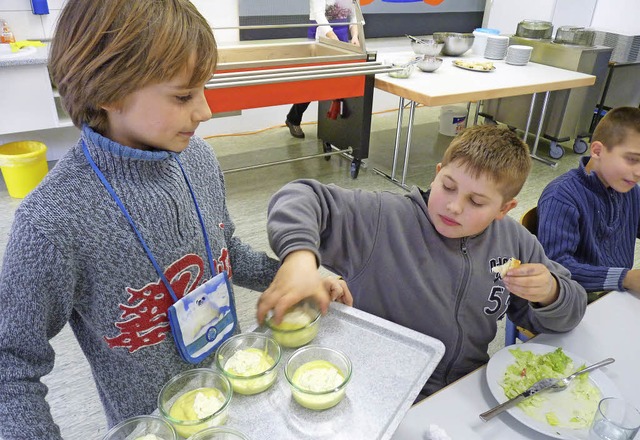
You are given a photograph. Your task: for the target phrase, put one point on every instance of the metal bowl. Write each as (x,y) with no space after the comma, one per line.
(578,36)
(427,46)
(429,64)
(455,43)
(536,29)
(407,67)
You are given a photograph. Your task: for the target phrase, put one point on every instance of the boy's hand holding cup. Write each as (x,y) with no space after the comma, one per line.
(298,278)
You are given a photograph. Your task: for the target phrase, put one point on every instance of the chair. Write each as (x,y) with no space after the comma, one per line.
(512,332)
(530,220)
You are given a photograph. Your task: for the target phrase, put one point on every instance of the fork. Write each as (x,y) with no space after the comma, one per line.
(563,383)
(541,385)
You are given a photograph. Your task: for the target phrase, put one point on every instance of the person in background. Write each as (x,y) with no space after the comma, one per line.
(325,13)
(131,75)
(589,217)
(425,260)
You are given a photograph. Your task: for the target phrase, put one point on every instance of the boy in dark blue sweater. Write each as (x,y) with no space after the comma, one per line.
(589,218)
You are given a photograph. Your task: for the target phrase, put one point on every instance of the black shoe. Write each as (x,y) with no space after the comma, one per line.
(295,130)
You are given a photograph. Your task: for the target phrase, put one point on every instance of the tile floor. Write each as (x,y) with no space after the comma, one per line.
(75,405)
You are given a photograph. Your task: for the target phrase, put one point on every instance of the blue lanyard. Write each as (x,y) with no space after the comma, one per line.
(111,191)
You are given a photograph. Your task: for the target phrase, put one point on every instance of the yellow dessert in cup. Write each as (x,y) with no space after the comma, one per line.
(249,361)
(318,376)
(195,399)
(299,325)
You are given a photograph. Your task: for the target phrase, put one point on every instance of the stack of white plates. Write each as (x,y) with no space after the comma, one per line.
(518,55)
(496,47)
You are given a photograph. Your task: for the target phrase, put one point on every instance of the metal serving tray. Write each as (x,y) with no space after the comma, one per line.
(254,55)
(390,366)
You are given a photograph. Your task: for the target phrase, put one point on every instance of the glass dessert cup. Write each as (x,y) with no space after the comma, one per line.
(299,326)
(195,399)
(249,361)
(142,428)
(220,433)
(318,376)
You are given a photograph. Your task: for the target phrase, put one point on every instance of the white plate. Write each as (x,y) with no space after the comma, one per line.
(502,359)
(473,70)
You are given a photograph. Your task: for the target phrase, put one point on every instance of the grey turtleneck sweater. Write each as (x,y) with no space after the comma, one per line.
(73,257)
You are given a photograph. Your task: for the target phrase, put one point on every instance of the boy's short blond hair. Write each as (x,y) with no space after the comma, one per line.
(103,50)
(616,125)
(492,151)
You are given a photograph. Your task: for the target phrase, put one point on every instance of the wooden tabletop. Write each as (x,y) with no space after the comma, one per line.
(451,85)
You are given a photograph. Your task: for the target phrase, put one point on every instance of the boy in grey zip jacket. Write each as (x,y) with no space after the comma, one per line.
(424,260)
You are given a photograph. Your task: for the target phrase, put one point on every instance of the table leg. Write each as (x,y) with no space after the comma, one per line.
(396,146)
(475,116)
(600,105)
(529,116)
(539,132)
(407,148)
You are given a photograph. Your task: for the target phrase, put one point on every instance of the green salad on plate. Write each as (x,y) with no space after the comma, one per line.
(573,407)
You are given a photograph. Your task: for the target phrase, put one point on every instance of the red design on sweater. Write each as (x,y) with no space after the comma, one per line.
(144,320)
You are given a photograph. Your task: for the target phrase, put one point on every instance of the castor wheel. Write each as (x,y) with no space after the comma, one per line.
(580,146)
(555,150)
(327,148)
(355,168)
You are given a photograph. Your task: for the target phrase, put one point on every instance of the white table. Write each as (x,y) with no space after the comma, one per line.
(610,328)
(450,85)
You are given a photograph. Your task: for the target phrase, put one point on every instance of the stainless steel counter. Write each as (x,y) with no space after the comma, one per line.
(569,112)
(38,56)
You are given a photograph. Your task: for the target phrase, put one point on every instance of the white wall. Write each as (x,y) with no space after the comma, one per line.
(220,13)
(619,16)
(27,26)
(573,13)
(506,14)
(24,24)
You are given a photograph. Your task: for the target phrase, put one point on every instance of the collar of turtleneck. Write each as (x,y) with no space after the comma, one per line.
(92,137)
(591,180)
(125,164)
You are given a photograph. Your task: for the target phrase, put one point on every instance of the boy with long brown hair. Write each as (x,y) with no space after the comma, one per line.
(132,216)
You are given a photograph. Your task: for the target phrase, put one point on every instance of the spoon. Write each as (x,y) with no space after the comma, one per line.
(414,39)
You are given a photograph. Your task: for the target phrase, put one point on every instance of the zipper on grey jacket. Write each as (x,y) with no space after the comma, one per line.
(459,295)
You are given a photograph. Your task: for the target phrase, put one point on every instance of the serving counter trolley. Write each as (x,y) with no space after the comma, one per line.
(267,72)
